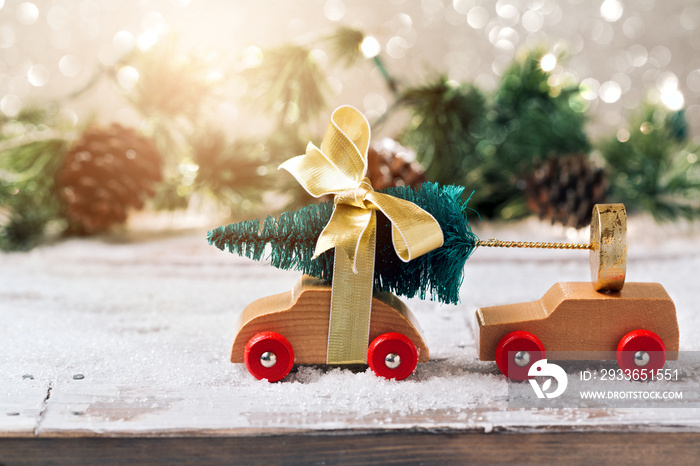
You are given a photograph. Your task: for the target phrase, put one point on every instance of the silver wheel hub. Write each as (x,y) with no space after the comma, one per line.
(521,358)
(641,358)
(392,360)
(268,359)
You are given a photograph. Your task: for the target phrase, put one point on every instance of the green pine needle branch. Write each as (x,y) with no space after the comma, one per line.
(655,170)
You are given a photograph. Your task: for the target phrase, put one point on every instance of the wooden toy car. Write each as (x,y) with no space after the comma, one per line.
(636,325)
(636,322)
(278,331)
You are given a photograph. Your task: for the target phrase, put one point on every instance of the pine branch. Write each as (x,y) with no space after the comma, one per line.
(443,114)
(27,192)
(346,48)
(655,170)
(292,239)
(536,119)
(172,84)
(288,83)
(345,45)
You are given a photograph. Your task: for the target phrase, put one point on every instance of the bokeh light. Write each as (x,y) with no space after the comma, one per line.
(548,62)
(478,17)
(38,75)
(397,47)
(27,13)
(621,52)
(251,57)
(146,40)
(611,10)
(610,92)
(127,77)
(590,88)
(370,47)
(532,21)
(70,65)
(123,42)
(334,10)
(623,135)
(674,100)
(10,105)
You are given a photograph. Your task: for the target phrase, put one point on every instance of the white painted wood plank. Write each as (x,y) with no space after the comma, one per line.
(102,410)
(21,405)
(134,337)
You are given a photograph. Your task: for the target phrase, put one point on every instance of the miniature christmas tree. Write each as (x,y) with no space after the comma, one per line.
(293,235)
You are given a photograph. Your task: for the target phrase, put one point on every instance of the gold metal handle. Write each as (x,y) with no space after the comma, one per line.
(608,246)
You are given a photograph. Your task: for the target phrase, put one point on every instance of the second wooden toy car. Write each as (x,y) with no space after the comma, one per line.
(636,325)
(606,319)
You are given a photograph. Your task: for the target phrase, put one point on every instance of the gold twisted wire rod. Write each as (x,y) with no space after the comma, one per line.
(495,243)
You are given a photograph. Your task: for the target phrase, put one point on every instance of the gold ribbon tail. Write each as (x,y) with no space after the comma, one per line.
(351,303)
(338,167)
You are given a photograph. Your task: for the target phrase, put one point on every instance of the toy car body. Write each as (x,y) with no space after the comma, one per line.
(573,319)
(301,316)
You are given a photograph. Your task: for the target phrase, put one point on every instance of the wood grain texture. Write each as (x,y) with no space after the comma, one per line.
(572,316)
(301,315)
(369,447)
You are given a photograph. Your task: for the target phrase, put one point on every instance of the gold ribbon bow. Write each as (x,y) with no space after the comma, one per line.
(339,168)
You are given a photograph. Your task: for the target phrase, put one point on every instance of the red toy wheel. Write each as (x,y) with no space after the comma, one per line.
(268,355)
(516,352)
(392,356)
(642,350)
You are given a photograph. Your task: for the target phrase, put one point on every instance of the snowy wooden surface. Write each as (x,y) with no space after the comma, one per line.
(129,336)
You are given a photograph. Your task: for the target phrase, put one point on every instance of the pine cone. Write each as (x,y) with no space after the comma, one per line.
(565,189)
(106,172)
(389,165)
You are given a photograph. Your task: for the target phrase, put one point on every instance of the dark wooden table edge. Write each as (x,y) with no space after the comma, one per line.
(672,445)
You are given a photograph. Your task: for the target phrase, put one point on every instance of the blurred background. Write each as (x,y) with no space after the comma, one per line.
(540,107)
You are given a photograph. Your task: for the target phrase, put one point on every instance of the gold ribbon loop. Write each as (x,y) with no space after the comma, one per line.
(339,168)
(348,133)
(317,174)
